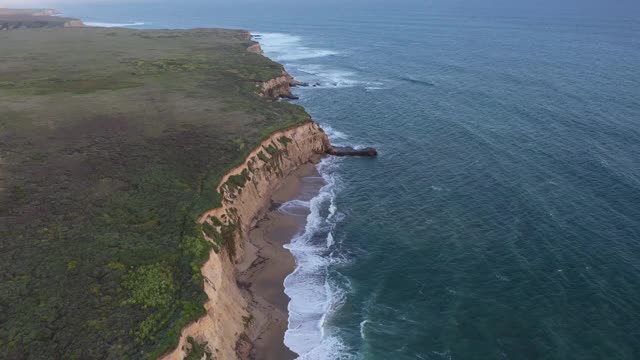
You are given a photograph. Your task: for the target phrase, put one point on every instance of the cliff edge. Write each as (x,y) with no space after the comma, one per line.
(246,191)
(279,87)
(107,166)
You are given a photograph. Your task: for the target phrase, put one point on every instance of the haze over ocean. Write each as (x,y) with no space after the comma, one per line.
(502,217)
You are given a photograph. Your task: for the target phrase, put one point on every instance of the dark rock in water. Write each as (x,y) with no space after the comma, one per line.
(349,151)
(289,96)
(296,83)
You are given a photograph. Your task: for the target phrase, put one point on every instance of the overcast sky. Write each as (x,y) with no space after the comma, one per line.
(53,3)
(584,7)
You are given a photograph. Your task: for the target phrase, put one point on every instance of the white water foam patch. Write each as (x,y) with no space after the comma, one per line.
(313,297)
(295,207)
(327,77)
(337,138)
(362,329)
(289,50)
(284,47)
(375,85)
(109,25)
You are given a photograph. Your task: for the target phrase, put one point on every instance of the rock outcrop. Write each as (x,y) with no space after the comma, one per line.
(255,49)
(74,23)
(279,87)
(247,190)
(349,151)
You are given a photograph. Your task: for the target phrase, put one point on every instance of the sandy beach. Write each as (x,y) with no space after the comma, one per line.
(267,263)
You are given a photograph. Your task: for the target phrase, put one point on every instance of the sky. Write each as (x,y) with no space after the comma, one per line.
(51,3)
(624,7)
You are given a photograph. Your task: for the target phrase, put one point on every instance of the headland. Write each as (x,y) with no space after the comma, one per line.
(135,168)
(114,143)
(35,18)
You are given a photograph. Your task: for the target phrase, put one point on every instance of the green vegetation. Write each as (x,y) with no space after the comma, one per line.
(247,320)
(263,157)
(198,351)
(236,182)
(271,149)
(284,140)
(209,230)
(215,221)
(113,143)
(74,86)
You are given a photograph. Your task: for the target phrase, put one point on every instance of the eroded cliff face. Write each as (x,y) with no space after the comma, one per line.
(255,49)
(74,23)
(247,190)
(279,87)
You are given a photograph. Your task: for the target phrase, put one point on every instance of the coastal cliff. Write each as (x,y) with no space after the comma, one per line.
(255,49)
(74,23)
(131,155)
(278,87)
(246,191)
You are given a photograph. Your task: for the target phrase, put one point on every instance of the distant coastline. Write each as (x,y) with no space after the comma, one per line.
(35,18)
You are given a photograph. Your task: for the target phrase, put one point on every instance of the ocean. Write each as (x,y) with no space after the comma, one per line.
(501,219)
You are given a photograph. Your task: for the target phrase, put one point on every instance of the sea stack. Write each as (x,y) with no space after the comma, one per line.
(349,151)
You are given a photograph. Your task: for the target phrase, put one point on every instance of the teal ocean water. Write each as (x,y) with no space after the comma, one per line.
(501,219)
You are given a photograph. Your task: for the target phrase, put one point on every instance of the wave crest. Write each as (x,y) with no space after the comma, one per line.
(313,296)
(285,47)
(108,24)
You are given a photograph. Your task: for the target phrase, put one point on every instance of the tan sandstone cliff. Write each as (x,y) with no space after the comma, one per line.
(74,23)
(255,49)
(223,327)
(278,87)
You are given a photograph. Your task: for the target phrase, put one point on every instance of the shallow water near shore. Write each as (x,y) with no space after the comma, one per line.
(501,218)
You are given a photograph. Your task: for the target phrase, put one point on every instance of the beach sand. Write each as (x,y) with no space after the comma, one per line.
(267,263)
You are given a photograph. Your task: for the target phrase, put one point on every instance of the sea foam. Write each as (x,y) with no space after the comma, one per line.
(289,50)
(327,76)
(108,24)
(313,296)
(285,47)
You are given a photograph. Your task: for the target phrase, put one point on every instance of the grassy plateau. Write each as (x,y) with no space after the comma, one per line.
(112,142)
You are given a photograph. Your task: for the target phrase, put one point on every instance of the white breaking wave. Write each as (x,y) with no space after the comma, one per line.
(333,134)
(330,240)
(107,24)
(362,325)
(375,85)
(313,296)
(285,47)
(338,138)
(289,50)
(327,77)
(294,207)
